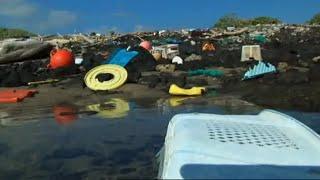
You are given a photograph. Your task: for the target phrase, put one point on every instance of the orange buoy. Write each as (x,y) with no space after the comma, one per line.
(65,114)
(146,44)
(61,58)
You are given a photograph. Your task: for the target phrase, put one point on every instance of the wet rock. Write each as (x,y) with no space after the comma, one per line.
(197,81)
(214,82)
(166,68)
(150,81)
(316,59)
(12,80)
(26,77)
(91,60)
(282,67)
(193,57)
(314,73)
(157,56)
(293,77)
(303,63)
(64,71)
(270,78)
(144,61)
(133,77)
(178,79)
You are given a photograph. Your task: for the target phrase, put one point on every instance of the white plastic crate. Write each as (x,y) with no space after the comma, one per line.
(251,52)
(268,145)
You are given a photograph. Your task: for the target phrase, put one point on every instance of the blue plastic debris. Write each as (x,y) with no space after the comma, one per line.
(121,57)
(259,69)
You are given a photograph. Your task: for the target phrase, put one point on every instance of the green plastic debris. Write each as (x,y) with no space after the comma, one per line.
(212,93)
(212,73)
(166,41)
(260,39)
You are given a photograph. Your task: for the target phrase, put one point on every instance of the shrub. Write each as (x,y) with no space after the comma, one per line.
(264,20)
(315,19)
(230,20)
(14,33)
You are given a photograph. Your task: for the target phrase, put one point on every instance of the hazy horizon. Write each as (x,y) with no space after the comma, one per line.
(128,16)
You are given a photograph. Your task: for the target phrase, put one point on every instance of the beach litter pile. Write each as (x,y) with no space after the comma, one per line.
(248,62)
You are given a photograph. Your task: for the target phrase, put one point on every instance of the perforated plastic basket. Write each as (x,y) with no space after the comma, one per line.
(268,145)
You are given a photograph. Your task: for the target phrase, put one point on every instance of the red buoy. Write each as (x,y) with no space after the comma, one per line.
(61,58)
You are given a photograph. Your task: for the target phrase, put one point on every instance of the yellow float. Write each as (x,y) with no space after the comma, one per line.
(119,73)
(195,91)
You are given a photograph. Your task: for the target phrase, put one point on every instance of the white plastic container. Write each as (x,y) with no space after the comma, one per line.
(251,52)
(268,145)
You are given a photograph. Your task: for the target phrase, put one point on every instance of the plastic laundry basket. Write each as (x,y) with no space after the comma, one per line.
(268,145)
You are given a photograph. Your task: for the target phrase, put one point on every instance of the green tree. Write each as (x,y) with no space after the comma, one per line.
(14,33)
(315,19)
(264,20)
(230,20)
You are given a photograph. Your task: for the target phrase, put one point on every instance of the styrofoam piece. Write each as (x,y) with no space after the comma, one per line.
(267,145)
(78,60)
(177,60)
(251,52)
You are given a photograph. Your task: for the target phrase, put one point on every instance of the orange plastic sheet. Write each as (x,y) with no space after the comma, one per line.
(15,95)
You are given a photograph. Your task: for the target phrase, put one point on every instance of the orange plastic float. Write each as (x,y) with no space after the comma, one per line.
(61,58)
(208,47)
(146,45)
(15,95)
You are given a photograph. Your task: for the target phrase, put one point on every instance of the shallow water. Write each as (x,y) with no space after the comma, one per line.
(119,142)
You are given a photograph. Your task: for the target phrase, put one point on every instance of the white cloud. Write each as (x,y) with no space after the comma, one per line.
(61,18)
(141,28)
(138,28)
(103,29)
(57,19)
(17,8)
(27,14)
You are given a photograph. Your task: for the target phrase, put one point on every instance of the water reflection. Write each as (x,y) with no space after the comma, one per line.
(65,141)
(113,108)
(177,101)
(65,114)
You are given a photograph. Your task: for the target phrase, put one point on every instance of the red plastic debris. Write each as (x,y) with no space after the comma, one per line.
(15,95)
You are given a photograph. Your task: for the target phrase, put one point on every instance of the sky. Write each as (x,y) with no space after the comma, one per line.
(69,16)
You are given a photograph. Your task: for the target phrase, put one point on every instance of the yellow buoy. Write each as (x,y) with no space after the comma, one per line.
(119,73)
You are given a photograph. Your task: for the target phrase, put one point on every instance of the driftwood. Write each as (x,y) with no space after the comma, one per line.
(241,31)
(215,34)
(17,51)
